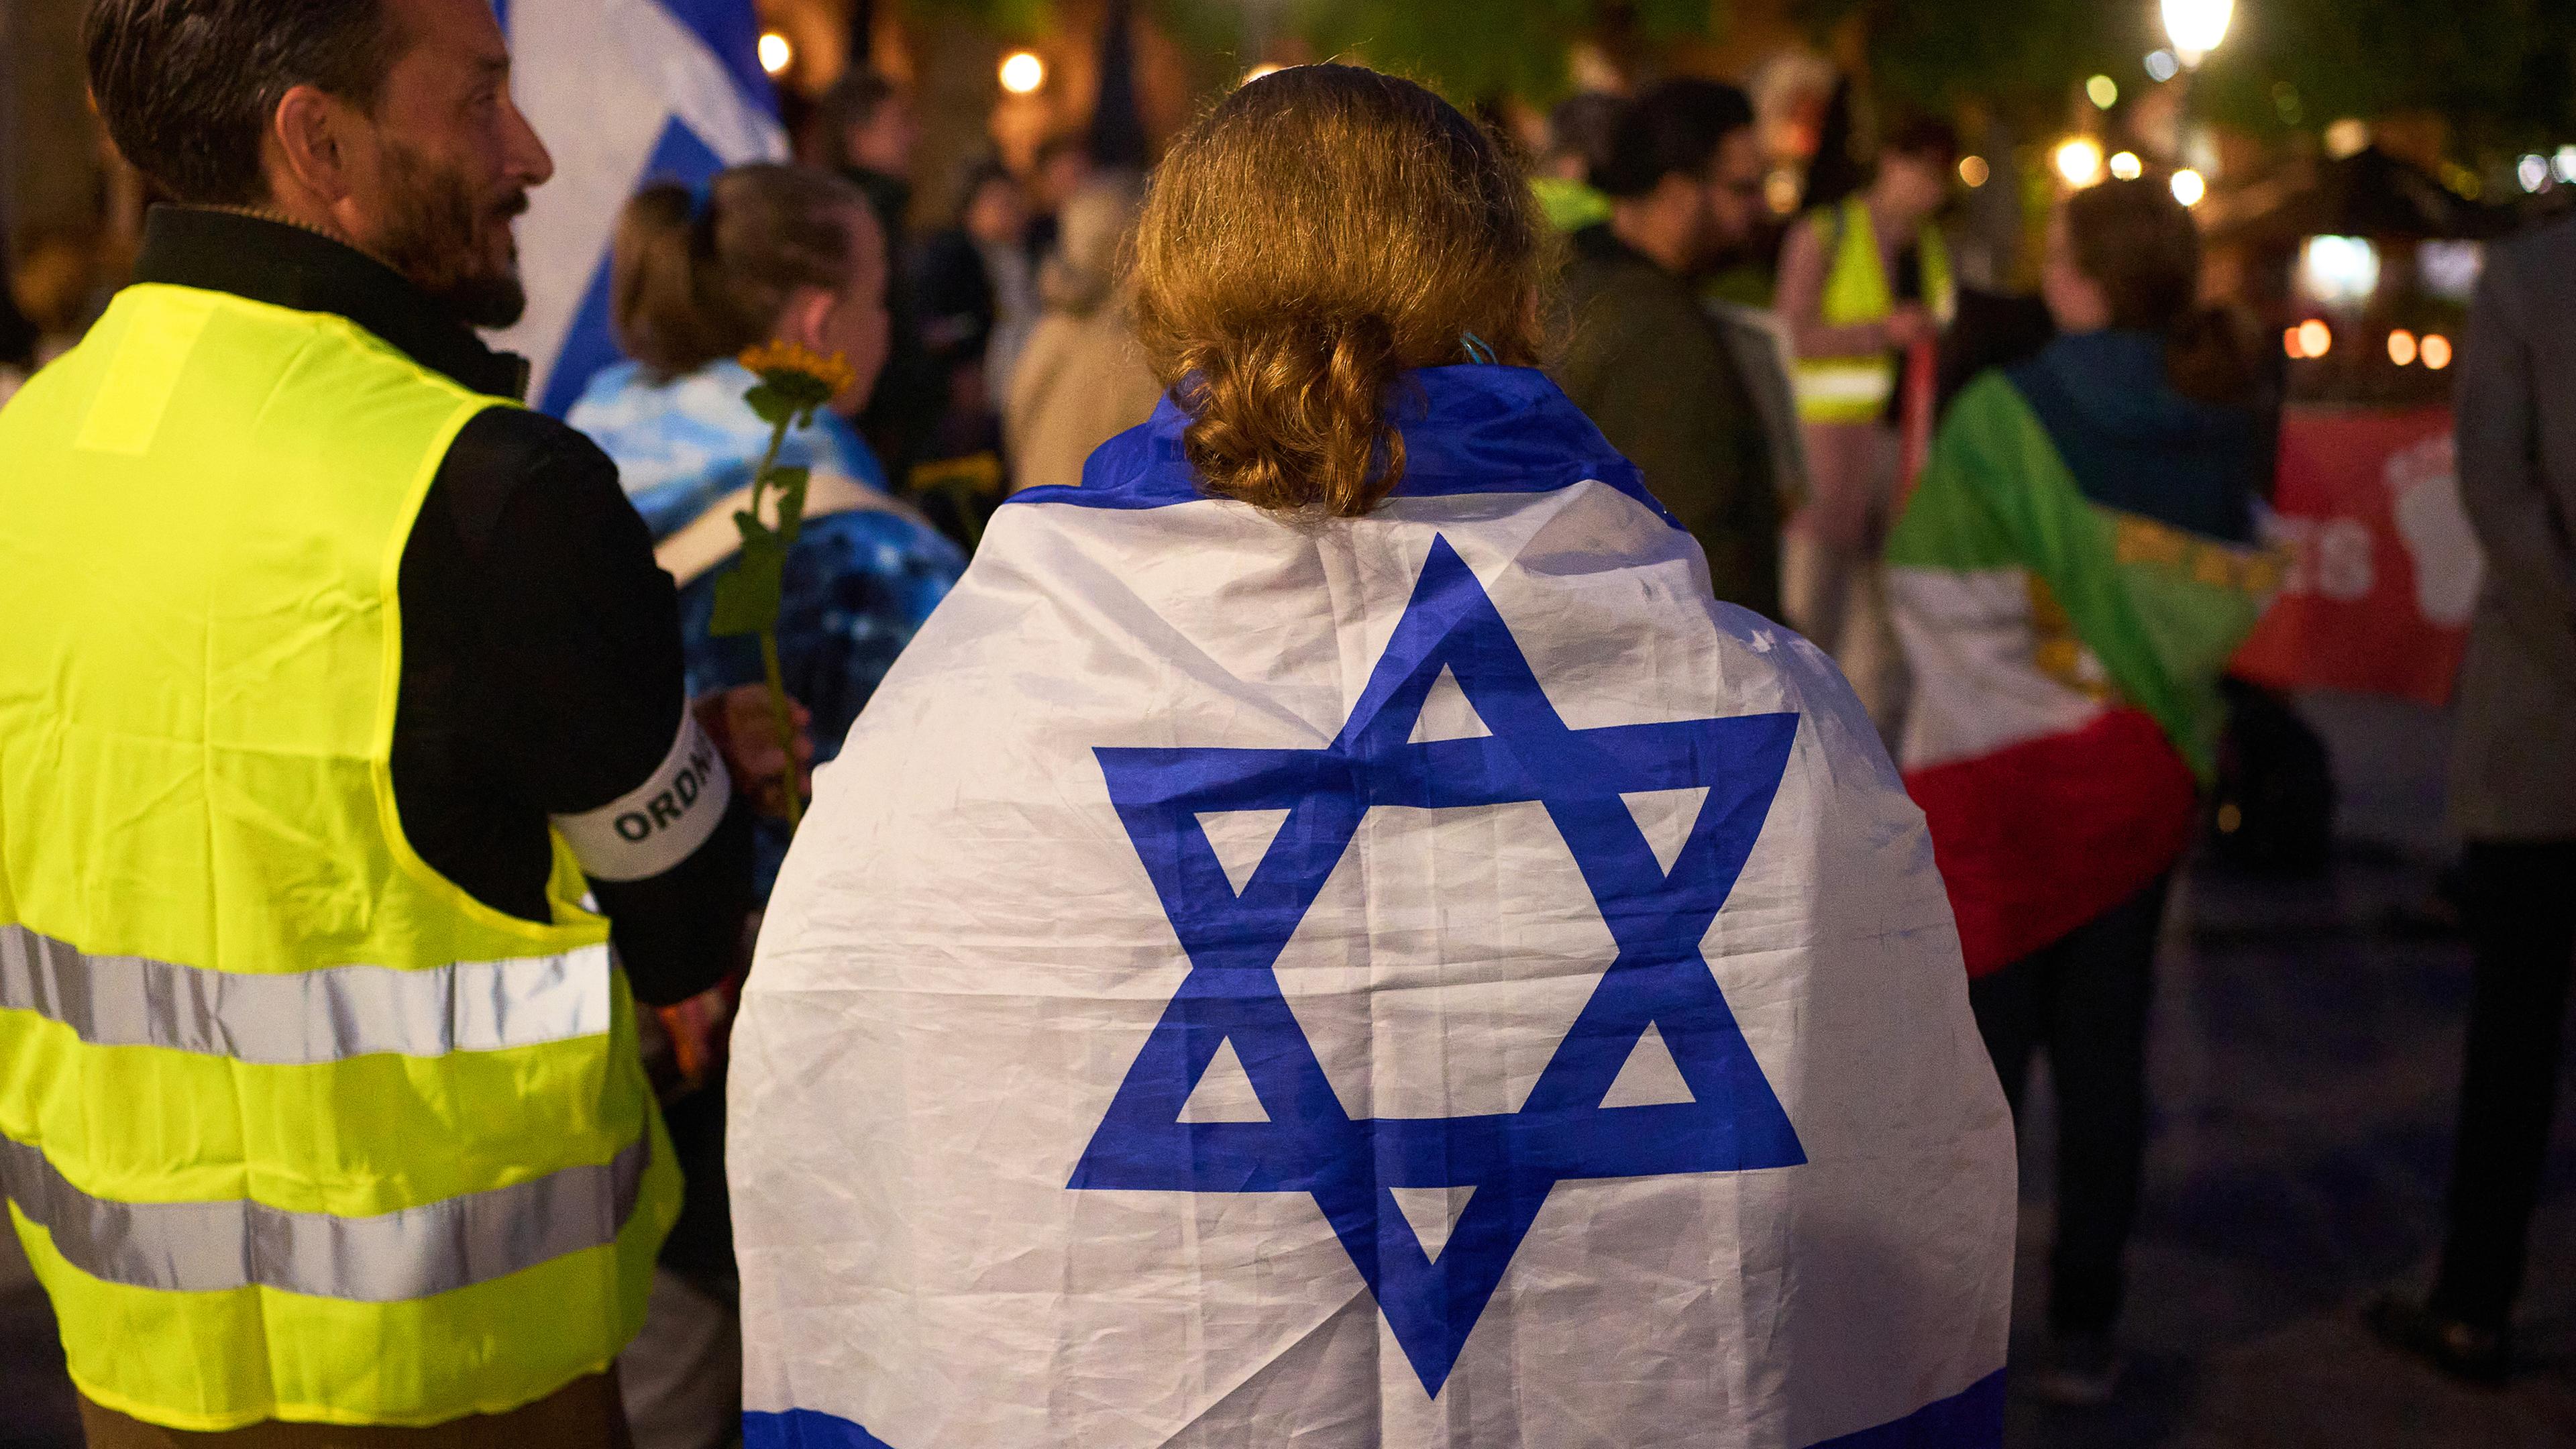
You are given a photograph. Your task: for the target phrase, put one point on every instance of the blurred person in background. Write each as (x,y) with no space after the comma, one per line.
(2513,793)
(868,131)
(2069,579)
(343,734)
(1861,283)
(1646,360)
(977,287)
(1083,378)
(1578,140)
(1063,165)
(772,252)
(61,283)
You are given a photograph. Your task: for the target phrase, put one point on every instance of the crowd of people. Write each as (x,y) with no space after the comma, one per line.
(404,679)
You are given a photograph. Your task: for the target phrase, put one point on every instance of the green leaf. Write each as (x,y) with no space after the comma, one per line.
(747,594)
(772,405)
(791,485)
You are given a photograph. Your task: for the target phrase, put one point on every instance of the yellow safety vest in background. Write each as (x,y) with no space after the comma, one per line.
(291,1126)
(1856,389)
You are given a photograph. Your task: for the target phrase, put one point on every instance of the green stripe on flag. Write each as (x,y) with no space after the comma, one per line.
(2163,608)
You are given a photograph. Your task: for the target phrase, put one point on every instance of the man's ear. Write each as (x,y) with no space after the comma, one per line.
(309,133)
(807,317)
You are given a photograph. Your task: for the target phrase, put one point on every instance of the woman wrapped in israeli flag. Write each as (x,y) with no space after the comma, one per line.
(1331,936)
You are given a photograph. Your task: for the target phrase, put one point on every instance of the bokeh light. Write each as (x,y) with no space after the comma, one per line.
(1974,171)
(2079,161)
(2188,187)
(2401,347)
(1022,72)
(2127,166)
(777,53)
(2435,350)
(2103,92)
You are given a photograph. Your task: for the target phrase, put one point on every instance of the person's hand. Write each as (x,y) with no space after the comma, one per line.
(1910,323)
(746,734)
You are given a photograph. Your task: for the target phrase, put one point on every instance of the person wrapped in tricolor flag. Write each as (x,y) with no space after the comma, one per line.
(1333,936)
(2069,580)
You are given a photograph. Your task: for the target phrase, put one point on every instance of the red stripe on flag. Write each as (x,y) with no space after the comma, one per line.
(2040,837)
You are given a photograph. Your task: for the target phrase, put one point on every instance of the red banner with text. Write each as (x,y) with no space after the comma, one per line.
(2384,569)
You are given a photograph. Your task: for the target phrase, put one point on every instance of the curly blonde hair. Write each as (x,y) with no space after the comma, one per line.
(1319,232)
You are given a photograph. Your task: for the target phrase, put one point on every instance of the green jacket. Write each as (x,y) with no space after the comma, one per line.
(1650,365)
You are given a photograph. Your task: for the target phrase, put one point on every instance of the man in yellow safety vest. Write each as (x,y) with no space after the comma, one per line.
(1860,284)
(342,734)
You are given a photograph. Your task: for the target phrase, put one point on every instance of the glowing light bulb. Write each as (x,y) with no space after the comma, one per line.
(2103,92)
(777,52)
(2127,166)
(2079,161)
(2188,188)
(2401,347)
(1022,72)
(2435,350)
(2314,338)
(1974,171)
(2197,26)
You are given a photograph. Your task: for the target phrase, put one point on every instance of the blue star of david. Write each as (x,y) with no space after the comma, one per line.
(1562,1131)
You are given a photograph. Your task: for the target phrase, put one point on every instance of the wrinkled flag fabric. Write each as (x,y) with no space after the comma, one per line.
(624,93)
(2069,580)
(1437,978)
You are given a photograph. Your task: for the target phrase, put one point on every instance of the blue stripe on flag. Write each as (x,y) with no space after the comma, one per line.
(804,1429)
(1467,430)
(1972,1418)
(732,31)
(590,344)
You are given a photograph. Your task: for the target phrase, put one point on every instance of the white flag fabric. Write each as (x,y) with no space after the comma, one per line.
(623,93)
(1436,978)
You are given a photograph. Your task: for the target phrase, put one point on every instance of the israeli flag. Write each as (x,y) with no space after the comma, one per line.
(623,92)
(1437,978)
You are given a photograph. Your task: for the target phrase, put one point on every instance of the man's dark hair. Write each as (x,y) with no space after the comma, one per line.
(1677,126)
(853,100)
(188,88)
(1926,138)
(1583,124)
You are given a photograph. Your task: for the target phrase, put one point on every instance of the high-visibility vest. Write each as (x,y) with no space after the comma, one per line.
(291,1127)
(1856,389)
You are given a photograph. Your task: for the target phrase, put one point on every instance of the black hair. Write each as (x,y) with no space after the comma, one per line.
(854,99)
(189,88)
(1926,138)
(1676,127)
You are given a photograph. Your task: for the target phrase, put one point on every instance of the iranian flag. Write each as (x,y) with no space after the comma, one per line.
(2067,629)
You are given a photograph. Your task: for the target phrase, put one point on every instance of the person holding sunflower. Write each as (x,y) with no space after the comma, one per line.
(774,277)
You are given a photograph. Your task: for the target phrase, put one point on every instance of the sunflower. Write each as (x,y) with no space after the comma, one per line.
(800,375)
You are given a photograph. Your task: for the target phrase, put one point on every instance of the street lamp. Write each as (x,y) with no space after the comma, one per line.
(2196,27)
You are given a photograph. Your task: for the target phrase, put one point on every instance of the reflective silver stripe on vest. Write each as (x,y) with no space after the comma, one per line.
(300,1017)
(208,1247)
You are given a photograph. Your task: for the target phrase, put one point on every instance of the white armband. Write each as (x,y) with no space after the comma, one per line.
(659,823)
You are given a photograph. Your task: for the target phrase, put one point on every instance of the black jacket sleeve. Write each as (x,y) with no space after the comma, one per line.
(558,640)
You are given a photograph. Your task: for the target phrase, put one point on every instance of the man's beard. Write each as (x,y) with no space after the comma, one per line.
(433,234)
